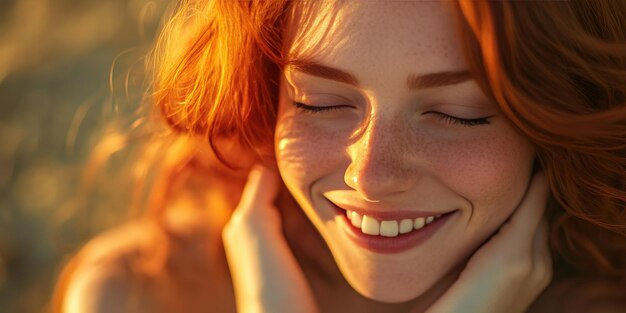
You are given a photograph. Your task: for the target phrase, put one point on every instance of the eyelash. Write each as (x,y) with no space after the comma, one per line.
(317,109)
(462,121)
(447,118)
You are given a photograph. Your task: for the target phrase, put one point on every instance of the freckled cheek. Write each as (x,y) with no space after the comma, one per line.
(306,153)
(492,173)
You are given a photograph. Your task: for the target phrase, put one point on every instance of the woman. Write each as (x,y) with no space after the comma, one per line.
(410,157)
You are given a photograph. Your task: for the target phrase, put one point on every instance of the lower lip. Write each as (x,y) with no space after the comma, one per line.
(397,244)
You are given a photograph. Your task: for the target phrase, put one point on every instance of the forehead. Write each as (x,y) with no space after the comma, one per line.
(379,38)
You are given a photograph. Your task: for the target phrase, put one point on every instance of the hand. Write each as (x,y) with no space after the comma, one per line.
(512,268)
(265,274)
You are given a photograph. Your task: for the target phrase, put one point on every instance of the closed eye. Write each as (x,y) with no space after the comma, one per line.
(461,121)
(446,117)
(318,109)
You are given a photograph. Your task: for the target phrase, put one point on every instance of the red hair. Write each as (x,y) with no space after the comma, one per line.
(558,72)
(557,69)
(224,82)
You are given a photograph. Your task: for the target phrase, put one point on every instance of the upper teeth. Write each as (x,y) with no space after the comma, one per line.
(391,228)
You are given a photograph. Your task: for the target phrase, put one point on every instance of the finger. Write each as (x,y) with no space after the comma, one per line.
(542,258)
(261,188)
(541,241)
(529,213)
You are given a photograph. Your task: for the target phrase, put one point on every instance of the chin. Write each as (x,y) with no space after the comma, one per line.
(386,295)
(386,287)
(386,280)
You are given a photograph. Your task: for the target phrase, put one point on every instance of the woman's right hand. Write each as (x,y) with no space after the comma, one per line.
(265,273)
(510,270)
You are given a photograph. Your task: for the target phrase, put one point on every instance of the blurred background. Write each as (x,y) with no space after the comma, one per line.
(68,68)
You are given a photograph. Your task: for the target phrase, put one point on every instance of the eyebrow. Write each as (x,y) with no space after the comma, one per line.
(414,81)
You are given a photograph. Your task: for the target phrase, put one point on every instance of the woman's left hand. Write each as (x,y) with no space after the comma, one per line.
(265,273)
(510,270)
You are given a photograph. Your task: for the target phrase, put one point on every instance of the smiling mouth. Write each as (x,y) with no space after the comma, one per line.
(388,228)
(387,235)
(387,223)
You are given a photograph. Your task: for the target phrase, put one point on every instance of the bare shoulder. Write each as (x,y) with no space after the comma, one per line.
(140,267)
(582,294)
(107,276)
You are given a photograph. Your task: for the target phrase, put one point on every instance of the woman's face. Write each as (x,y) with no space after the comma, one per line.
(394,129)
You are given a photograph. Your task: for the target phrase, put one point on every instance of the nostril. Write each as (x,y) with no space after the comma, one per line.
(376,170)
(377,184)
(366,198)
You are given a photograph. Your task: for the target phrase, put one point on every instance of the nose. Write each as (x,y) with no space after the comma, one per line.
(381,162)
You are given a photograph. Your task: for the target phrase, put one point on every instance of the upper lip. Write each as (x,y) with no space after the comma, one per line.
(384,212)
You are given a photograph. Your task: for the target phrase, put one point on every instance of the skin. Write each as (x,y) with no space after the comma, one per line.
(389,148)
(386,148)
